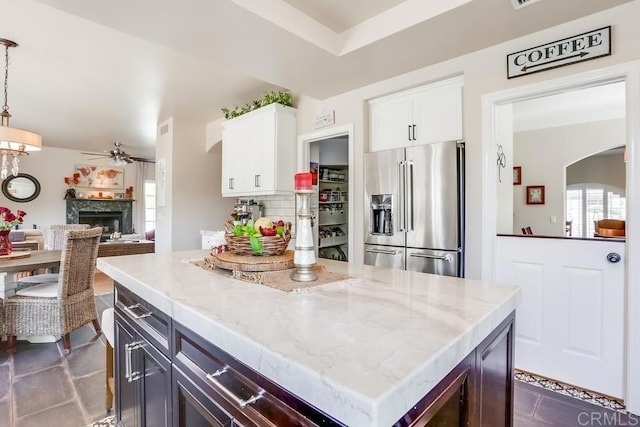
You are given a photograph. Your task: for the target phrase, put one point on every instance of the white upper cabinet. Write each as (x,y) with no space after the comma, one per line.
(424,115)
(259,152)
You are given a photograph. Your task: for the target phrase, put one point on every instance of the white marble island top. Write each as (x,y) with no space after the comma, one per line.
(362,350)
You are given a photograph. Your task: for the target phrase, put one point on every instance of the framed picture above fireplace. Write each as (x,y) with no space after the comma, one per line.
(100,176)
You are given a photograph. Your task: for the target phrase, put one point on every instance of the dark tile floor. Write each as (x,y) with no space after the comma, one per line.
(536,406)
(40,386)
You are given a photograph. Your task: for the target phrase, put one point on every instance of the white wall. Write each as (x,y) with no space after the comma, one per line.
(193,199)
(49,167)
(334,151)
(544,155)
(164,151)
(504,212)
(484,72)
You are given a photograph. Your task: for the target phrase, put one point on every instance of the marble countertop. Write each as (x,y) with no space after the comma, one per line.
(363,350)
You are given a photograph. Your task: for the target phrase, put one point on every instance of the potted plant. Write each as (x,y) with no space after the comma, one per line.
(283,97)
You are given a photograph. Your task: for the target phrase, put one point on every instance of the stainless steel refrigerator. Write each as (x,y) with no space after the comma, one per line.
(414,209)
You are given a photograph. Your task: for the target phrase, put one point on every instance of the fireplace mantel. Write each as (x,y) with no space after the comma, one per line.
(75,206)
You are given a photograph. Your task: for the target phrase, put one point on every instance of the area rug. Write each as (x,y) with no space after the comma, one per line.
(105,422)
(569,390)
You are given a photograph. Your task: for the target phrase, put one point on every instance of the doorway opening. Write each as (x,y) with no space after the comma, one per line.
(328,154)
(496,107)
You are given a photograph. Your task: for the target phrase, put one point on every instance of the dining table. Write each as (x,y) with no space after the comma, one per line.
(34,261)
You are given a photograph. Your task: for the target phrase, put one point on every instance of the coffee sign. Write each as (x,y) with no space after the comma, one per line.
(583,47)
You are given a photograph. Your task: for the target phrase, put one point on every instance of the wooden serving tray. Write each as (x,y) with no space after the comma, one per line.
(232,261)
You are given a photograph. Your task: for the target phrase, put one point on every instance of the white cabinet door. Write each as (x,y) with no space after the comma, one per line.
(261,146)
(233,160)
(424,115)
(390,123)
(437,114)
(258,152)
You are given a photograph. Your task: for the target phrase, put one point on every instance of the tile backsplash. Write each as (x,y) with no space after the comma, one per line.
(279,207)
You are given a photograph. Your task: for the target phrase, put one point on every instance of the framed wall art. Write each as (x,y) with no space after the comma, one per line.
(517,175)
(100,176)
(535,194)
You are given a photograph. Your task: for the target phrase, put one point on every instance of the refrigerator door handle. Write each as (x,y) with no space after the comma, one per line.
(446,257)
(401,197)
(409,192)
(381,251)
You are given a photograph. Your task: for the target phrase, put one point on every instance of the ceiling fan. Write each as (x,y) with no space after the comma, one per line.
(119,157)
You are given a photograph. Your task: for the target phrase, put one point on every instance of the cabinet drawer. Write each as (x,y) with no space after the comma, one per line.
(250,398)
(149,321)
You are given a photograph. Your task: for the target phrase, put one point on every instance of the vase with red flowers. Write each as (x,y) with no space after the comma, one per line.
(8,220)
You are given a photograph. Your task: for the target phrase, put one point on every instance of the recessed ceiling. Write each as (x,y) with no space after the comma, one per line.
(340,15)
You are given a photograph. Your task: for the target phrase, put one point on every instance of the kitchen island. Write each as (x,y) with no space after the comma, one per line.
(363,351)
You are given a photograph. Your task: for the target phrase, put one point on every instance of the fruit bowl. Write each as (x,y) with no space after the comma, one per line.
(271,245)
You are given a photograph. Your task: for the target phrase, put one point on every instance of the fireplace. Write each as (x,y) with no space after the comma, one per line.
(111,215)
(109,221)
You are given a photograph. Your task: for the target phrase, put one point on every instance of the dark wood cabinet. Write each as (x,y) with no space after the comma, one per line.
(494,365)
(143,370)
(194,408)
(477,392)
(126,401)
(226,387)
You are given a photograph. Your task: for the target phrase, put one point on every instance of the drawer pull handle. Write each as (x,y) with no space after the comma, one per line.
(128,374)
(131,313)
(240,402)
(447,257)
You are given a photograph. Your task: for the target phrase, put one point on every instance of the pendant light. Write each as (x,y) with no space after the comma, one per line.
(13,141)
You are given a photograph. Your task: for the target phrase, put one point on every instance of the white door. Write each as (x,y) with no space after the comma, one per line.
(570,324)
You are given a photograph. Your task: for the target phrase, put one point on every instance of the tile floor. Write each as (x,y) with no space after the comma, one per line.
(40,386)
(539,407)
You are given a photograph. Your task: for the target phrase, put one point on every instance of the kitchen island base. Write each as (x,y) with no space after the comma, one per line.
(199,384)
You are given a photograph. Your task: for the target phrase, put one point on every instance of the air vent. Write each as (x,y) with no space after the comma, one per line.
(519,4)
(164,129)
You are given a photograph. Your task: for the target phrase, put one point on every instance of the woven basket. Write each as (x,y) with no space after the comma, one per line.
(271,245)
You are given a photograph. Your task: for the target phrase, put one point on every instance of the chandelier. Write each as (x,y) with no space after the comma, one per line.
(14,142)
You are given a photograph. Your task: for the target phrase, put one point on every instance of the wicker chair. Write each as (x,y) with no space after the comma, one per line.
(61,307)
(55,240)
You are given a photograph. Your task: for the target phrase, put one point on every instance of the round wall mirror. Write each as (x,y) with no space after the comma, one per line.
(21,188)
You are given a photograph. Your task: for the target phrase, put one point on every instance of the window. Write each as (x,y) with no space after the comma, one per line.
(149,205)
(587,203)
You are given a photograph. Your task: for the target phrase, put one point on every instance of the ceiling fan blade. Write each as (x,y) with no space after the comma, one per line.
(141,159)
(97,158)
